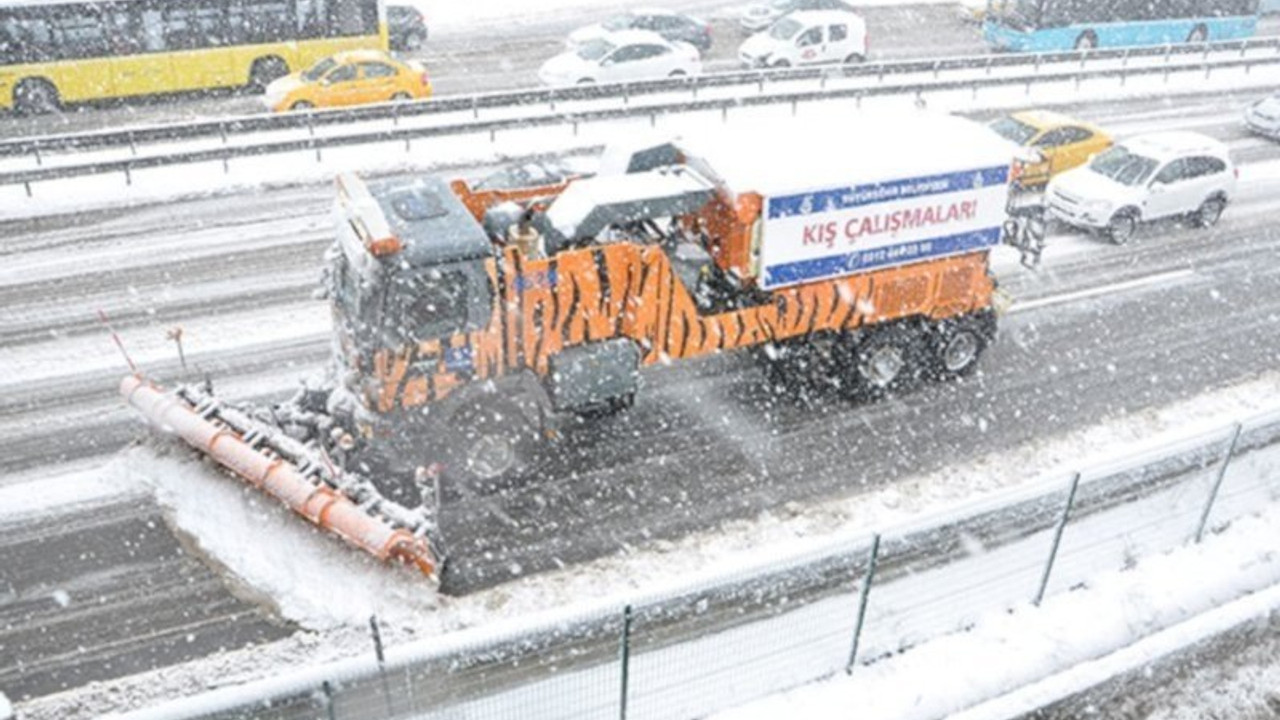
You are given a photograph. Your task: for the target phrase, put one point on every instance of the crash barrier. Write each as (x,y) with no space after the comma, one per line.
(691,651)
(62,156)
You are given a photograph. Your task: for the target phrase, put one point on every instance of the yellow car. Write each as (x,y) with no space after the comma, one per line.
(355,77)
(1055,143)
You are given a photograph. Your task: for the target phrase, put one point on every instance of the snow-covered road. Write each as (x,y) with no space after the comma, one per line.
(671,464)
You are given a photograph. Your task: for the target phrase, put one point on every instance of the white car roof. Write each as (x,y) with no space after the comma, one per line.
(1175,143)
(635,37)
(814,17)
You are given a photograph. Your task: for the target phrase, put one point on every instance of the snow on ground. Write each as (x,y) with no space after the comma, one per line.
(147,344)
(1006,649)
(298,568)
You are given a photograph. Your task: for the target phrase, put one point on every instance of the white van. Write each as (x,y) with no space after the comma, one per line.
(807,38)
(1147,177)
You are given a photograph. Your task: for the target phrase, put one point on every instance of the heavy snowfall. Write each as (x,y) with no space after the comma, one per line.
(710,359)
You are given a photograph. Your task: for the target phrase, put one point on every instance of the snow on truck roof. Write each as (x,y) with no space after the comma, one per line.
(839,150)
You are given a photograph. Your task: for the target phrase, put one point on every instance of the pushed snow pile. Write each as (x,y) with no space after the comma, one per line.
(311,577)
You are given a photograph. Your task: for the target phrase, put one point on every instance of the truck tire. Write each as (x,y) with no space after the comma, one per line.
(490,444)
(1087,41)
(958,344)
(887,361)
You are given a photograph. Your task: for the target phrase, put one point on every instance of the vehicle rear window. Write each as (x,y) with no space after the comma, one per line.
(1013,130)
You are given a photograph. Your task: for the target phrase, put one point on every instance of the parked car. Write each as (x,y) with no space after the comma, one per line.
(1147,177)
(673,26)
(406,28)
(621,57)
(808,38)
(761,16)
(1054,143)
(1263,117)
(354,77)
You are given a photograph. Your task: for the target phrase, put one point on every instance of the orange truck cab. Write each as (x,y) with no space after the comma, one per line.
(469,323)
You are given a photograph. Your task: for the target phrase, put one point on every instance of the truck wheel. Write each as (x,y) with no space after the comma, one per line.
(1087,41)
(1198,34)
(1209,213)
(886,362)
(36,96)
(1122,227)
(491,443)
(958,346)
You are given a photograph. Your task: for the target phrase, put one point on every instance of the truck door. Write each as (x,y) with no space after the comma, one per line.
(438,303)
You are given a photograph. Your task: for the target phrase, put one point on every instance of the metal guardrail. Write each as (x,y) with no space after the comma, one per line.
(550,117)
(688,652)
(231,127)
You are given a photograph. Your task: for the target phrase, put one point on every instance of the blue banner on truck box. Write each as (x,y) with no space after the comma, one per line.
(832,232)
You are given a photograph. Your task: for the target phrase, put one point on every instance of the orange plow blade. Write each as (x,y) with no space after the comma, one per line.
(241,451)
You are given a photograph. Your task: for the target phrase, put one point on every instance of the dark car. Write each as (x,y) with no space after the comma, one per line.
(406,27)
(673,26)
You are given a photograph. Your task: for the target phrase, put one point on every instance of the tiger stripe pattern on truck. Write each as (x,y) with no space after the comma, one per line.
(631,290)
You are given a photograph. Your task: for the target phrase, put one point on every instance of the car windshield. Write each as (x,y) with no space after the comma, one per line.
(318,70)
(1013,130)
(619,22)
(785,29)
(1124,167)
(595,49)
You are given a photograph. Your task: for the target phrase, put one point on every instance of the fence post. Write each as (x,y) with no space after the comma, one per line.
(624,653)
(1217,482)
(382,668)
(327,690)
(862,602)
(1057,539)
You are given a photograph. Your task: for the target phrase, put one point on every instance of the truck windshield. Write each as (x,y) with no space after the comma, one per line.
(1123,166)
(785,29)
(1013,130)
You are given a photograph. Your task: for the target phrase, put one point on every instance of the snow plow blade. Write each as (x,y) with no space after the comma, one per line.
(250,453)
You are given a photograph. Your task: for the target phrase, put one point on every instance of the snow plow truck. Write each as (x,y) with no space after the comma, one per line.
(469,324)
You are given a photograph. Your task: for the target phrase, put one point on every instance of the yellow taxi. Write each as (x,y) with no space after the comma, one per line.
(1054,144)
(355,77)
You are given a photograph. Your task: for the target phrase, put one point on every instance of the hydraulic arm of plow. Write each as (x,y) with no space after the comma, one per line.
(298,474)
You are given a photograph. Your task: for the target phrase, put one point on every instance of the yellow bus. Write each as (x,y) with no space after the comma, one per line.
(57,51)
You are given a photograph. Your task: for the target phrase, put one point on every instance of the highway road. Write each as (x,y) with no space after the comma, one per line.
(506,57)
(705,444)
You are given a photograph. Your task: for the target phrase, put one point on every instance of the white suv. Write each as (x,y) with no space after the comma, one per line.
(1147,177)
(808,38)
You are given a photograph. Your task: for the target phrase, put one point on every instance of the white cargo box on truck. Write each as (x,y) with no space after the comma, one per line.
(864,192)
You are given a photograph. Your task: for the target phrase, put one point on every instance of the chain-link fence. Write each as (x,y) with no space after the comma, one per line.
(731,639)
